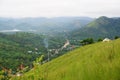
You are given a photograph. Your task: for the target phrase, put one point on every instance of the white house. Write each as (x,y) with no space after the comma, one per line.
(106,40)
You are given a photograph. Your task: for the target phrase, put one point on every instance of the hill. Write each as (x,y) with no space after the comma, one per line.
(42,25)
(15,48)
(99,61)
(99,28)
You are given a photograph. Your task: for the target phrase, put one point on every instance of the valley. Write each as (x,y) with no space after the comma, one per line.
(62,48)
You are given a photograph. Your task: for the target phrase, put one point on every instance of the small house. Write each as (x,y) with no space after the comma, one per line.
(106,40)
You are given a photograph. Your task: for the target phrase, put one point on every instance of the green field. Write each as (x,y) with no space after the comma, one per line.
(99,61)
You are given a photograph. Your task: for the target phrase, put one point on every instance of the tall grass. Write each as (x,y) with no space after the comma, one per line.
(100,61)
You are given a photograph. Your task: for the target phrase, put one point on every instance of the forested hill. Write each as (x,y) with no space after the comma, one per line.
(23,48)
(99,28)
(14,49)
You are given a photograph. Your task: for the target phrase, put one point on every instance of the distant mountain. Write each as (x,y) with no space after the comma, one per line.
(43,25)
(99,28)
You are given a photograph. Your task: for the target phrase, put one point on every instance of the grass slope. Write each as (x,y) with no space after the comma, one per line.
(100,61)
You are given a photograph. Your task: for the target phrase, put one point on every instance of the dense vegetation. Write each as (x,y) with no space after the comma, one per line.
(14,50)
(23,48)
(98,61)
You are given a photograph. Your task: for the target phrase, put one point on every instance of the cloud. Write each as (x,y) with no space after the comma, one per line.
(53,8)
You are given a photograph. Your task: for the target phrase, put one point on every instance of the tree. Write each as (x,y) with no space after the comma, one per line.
(99,39)
(87,41)
(116,37)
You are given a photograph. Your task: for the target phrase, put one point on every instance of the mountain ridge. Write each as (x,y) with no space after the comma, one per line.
(45,25)
(99,28)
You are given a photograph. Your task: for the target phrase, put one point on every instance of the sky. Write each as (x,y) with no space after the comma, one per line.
(58,8)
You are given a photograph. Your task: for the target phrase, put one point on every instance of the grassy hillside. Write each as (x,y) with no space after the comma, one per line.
(99,61)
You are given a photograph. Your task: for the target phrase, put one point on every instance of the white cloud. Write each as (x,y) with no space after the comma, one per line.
(53,8)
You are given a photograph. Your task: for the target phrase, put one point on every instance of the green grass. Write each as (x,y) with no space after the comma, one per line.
(99,61)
